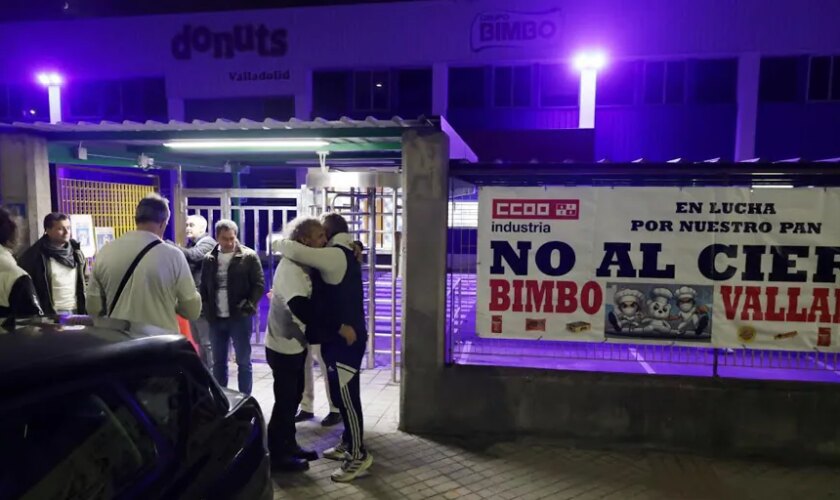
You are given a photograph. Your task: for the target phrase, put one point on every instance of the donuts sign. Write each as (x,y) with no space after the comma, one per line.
(726,266)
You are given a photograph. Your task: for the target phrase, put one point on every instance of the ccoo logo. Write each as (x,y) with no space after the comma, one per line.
(536,209)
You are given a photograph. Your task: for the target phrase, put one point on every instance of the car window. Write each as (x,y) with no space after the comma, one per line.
(163,399)
(85,444)
(205,413)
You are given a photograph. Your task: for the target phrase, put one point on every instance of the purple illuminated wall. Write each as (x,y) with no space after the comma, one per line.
(384,37)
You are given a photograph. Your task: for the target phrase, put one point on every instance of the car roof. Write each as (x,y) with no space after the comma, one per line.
(43,349)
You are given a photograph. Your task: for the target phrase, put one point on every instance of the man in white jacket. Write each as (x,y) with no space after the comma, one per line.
(286,346)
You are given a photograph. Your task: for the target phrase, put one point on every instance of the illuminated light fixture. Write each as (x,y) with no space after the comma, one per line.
(50,79)
(590,60)
(256,144)
(588,63)
(772,186)
(53,82)
(378,85)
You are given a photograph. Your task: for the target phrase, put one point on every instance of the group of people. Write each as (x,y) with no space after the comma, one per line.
(316,308)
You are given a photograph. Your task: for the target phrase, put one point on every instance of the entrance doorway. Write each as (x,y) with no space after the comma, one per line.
(371,203)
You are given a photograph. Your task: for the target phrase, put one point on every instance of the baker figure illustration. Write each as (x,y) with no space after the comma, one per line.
(692,318)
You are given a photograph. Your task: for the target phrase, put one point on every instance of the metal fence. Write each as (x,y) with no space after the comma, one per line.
(465,347)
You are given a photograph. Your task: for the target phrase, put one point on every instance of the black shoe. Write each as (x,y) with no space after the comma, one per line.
(304,415)
(332,419)
(289,464)
(308,455)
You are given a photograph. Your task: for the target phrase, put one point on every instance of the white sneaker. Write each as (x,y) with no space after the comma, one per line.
(351,469)
(338,452)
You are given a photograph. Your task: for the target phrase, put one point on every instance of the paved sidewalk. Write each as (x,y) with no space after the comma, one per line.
(412,467)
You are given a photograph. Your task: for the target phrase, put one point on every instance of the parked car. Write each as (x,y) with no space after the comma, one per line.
(107,409)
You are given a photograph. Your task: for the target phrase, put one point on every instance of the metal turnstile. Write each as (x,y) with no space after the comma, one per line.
(371,203)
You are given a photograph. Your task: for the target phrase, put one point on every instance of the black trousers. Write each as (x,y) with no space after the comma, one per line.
(287,370)
(343,365)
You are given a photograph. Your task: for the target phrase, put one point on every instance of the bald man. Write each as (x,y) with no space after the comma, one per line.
(199,244)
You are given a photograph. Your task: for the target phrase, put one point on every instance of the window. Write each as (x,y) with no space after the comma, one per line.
(162,397)
(617,85)
(654,82)
(281,108)
(779,79)
(99,100)
(467,88)
(206,406)
(715,81)
(674,82)
(502,87)
(559,85)
(83,445)
(28,103)
(522,86)
(414,91)
(664,82)
(824,79)
(512,86)
(144,99)
(236,108)
(371,90)
(331,93)
(137,99)
(4,102)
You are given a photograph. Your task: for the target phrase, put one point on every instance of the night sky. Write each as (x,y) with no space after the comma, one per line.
(26,10)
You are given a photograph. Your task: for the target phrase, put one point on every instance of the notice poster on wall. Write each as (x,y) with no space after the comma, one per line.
(104,235)
(81,230)
(730,267)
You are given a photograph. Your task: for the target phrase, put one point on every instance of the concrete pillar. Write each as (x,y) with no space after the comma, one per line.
(303,99)
(440,89)
(25,181)
(425,174)
(176,110)
(749,66)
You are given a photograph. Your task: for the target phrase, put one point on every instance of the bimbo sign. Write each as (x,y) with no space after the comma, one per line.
(263,41)
(498,29)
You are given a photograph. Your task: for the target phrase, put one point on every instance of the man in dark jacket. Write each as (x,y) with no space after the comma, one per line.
(232,284)
(199,244)
(57,267)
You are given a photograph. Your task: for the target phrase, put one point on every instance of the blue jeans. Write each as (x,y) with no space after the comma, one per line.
(222,332)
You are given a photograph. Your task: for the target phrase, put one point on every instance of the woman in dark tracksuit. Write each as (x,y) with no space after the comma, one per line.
(338,292)
(18,297)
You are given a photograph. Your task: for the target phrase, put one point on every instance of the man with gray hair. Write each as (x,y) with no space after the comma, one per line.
(137,278)
(289,316)
(232,284)
(199,244)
